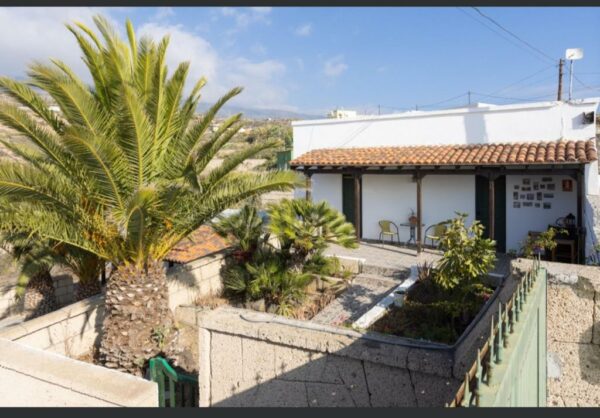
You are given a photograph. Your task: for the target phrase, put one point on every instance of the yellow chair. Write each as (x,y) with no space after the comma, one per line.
(386,229)
(439,229)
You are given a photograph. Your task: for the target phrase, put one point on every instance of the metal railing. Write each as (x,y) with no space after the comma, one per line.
(178,389)
(481,386)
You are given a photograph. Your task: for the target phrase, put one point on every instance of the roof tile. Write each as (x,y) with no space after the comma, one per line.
(200,243)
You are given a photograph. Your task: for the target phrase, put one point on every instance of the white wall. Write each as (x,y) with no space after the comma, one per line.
(520,221)
(443,196)
(327,187)
(545,121)
(387,197)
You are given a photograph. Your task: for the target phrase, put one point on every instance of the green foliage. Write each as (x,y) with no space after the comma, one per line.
(280,273)
(304,228)
(244,228)
(123,172)
(467,257)
(545,241)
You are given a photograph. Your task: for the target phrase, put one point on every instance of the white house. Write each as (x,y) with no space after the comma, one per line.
(516,168)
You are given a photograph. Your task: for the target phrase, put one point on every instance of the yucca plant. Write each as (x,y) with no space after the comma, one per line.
(123,173)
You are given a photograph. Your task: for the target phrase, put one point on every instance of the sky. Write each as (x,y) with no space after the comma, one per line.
(311,60)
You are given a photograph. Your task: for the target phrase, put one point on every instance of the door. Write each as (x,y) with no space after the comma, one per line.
(482,208)
(348,199)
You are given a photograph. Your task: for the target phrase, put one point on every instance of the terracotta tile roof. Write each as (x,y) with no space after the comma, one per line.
(554,152)
(202,242)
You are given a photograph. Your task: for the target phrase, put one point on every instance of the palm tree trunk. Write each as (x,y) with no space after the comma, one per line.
(138,323)
(39,297)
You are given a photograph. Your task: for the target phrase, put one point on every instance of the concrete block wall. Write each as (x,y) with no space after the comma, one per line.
(188,282)
(37,378)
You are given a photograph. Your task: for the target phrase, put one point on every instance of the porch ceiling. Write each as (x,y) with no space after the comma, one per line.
(562,152)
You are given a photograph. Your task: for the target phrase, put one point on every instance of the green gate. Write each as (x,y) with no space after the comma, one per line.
(283,159)
(510,369)
(176,389)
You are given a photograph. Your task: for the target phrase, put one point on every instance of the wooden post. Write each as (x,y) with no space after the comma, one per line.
(419,213)
(580,241)
(308,186)
(491,207)
(357,206)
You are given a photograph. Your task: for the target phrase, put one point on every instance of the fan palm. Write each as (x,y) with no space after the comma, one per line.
(123,173)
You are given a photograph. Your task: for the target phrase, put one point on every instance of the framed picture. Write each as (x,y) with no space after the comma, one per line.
(516,195)
(567,185)
(542,186)
(546,179)
(522,196)
(547,205)
(516,205)
(538,195)
(550,186)
(536,185)
(536,204)
(527,181)
(530,196)
(517,187)
(527,204)
(526,189)
(549,195)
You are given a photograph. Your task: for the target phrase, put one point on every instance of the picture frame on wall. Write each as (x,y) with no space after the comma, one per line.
(542,186)
(547,205)
(527,182)
(516,195)
(536,185)
(526,189)
(516,205)
(567,185)
(530,196)
(527,204)
(522,196)
(549,195)
(550,186)
(538,195)
(517,187)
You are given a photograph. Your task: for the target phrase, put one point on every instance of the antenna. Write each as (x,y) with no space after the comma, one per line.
(572,54)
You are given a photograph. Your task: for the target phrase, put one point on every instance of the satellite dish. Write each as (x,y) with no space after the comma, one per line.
(574,54)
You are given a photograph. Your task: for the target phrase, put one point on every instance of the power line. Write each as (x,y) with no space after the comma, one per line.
(539,51)
(444,101)
(525,78)
(501,35)
(583,84)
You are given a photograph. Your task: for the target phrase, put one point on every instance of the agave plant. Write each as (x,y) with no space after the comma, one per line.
(122,172)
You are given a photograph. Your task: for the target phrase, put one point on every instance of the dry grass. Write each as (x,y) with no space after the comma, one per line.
(211,301)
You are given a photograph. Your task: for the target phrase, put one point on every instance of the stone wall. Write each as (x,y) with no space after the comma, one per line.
(188,282)
(573,321)
(37,378)
(71,331)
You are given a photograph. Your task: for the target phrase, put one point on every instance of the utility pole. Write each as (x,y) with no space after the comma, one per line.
(570,79)
(561,63)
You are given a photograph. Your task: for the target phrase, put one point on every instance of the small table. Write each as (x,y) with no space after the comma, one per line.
(413,235)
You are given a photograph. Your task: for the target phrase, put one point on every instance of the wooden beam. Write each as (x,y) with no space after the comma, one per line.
(419,213)
(308,186)
(491,207)
(357,206)
(580,240)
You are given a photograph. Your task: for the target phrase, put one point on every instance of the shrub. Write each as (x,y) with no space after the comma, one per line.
(467,254)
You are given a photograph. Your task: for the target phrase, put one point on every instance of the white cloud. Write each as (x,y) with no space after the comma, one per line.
(244,17)
(335,66)
(28,34)
(258,49)
(304,30)
(163,13)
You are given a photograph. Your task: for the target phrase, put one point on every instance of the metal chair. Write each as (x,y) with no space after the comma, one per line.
(386,229)
(439,229)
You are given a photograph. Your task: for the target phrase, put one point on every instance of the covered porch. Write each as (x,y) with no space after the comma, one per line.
(512,189)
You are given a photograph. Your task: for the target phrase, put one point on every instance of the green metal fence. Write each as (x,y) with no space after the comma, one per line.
(283,159)
(176,389)
(510,369)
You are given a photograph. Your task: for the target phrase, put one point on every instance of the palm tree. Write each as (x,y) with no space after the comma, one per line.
(122,173)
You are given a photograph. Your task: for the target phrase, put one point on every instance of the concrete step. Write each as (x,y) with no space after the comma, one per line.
(384,271)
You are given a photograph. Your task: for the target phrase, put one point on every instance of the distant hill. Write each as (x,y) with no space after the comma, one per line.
(251,113)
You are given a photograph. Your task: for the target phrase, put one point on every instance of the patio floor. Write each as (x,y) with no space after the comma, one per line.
(399,258)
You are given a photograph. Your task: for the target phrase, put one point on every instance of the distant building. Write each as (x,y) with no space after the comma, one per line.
(342,114)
